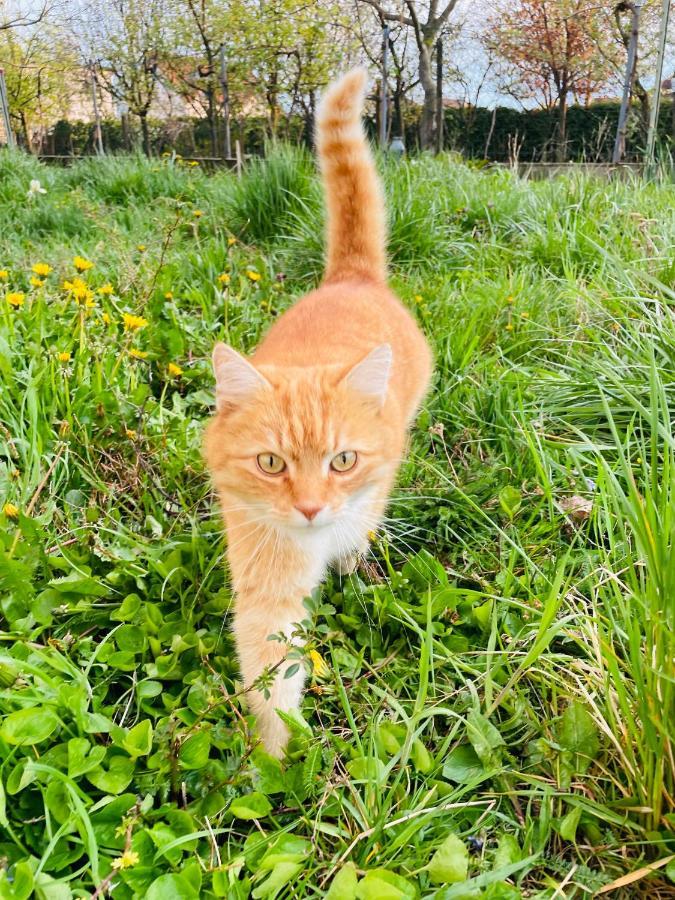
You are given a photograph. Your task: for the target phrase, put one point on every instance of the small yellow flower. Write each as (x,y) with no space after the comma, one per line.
(193,163)
(42,269)
(15,298)
(82,264)
(106,318)
(36,282)
(106,289)
(133,323)
(525,315)
(64,356)
(254,276)
(141,248)
(4,274)
(126,860)
(197,213)
(372,536)
(224,278)
(168,295)
(11,511)
(131,433)
(319,667)
(80,292)
(509,327)
(174,370)
(231,240)
(138,354)
(510,300)
(418,298)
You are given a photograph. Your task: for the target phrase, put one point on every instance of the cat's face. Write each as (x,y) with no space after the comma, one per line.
(301,448)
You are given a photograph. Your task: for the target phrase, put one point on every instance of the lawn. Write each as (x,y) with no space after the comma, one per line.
(490,710)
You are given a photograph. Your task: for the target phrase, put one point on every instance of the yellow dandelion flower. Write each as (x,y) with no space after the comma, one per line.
(168,295)
(192,163)
(42,269)
(133,323)
(525,315)
(64,356)
(174,370)
(11,511)
(372,536)
(106,318)
(106,289)
(197,213)
(131,433)
(510,300)
(418,298)
(254,276)
(4,274)
(231,240)
(15,298)
(141,248)
(509,327)
(138,354)
(126,860)
(82,264)
(224,278)
(319,667)
(36,282)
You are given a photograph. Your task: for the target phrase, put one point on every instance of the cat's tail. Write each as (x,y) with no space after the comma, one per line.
(356,233)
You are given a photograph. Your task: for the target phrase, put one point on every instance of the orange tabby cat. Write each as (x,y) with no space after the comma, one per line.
(309,432)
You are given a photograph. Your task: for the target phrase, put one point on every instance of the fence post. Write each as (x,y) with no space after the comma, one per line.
(226,102)
(439,96)
(5,110)
(98,135)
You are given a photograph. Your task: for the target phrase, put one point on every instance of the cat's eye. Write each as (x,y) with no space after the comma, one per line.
(270,463)
(344,461)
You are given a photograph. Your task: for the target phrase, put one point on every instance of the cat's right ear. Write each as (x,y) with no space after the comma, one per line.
(236,379)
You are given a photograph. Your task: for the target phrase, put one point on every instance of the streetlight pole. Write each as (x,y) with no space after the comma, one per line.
(620,142)
(5,110)
(226,102)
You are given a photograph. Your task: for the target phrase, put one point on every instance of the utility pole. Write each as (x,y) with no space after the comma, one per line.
(439,96)
(98,135)
(383,94)
(620,142)
(4,103)
(226,102)
(658,75)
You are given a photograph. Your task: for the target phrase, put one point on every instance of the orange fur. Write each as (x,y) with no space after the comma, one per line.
(343,370)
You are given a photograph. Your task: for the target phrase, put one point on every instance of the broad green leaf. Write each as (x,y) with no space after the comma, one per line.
(567,828)
(194,752)
(343,886)
(250,806)
(450,863)
(116,777)
(421,757)
(82,757)
(508,851)
(280,875)
(380,884)
(510,499)
(29,726)
(462,765)
(576,731)
(483,736)
(138,741)
(171,887)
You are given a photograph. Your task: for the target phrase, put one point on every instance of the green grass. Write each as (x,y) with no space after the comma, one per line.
(497,718)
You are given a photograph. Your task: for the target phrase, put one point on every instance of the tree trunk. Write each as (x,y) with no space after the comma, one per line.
(213,119)
(561,142)
(643,99)
(145,131)
(428,82)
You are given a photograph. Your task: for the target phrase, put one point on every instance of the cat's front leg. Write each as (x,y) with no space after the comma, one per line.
(255,620)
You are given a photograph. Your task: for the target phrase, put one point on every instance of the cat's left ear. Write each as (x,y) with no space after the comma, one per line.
(371,375)
(236,379)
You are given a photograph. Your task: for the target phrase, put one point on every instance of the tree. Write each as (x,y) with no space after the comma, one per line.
(550,46)
(35,61)
(126,39)
(427,21)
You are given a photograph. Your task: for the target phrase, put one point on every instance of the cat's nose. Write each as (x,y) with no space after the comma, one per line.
(309,510)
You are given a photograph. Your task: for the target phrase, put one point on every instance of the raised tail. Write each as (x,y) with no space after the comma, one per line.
(356,233)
